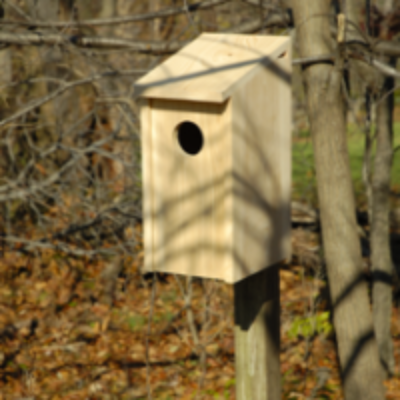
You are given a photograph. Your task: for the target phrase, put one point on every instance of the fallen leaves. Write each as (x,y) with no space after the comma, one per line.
(59,341)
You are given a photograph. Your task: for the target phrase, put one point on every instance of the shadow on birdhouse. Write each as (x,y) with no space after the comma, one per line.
(216,142)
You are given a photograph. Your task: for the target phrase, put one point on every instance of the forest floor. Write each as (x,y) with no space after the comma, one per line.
(60,340)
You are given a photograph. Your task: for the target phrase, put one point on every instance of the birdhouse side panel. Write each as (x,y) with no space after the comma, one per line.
(192,214)
(285,126)
(261,152)
(147,182)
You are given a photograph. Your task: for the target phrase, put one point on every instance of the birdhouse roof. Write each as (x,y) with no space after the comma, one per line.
(209,68)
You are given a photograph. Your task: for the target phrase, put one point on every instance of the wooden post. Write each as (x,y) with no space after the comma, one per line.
(257,336)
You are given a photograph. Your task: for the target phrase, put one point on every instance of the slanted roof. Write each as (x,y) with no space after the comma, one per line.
(209,68)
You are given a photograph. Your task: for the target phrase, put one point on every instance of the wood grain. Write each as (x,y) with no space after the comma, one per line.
(210,67)
(257,336)
(192,224)
(262,168)
(223,213)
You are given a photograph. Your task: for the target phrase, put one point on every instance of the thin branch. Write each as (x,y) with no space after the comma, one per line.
(277,18)
(64,87)
(384,68)
(127,101)
(18,10)
(58,39)
(119,20)
(38,186)
(273,20)
(77,154)
(314,59)
(147,47)
(189,17)
(387,48)
(29,245)
(267,6)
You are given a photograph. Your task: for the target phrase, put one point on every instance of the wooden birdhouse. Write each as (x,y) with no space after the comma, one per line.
(216,147)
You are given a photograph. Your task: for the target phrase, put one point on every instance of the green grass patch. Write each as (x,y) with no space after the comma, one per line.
(165,317)
(136,322)
(303,168)
(169,296)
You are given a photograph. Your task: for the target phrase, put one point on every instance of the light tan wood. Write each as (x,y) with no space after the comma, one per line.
(192,205)
(147,177)
(210,67)
(225,212)
(257,336)
(261,111)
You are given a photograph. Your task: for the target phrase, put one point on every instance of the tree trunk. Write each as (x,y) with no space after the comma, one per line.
(40,62)
(5,67)
(358,353)
(381,260)
(378,195)
(352,10)
(43,10)
(154,5)
(5,79)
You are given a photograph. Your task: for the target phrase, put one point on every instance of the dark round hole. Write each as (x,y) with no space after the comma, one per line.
(190,137)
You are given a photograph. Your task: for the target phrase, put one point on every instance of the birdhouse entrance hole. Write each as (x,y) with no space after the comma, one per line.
(190,137)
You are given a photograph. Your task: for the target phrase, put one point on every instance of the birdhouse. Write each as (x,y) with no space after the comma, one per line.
(216,149)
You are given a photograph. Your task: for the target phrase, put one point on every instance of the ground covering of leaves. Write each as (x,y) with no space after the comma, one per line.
(60,340)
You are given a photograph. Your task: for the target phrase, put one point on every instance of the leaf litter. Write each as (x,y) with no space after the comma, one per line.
(60,341)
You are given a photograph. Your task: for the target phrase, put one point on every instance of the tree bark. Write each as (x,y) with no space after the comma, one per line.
(352,10)
(5,79)
(358,352)
(41,61)
(5,66)
(379,195)
(154,6)
(381,260)
(43,10)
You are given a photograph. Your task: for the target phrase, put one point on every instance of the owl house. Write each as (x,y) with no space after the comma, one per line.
(216,148)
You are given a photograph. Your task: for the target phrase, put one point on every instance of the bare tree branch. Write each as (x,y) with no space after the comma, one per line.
(272,20)
(384,68)
(314,60)
(387,70)
(29,245)
(56,39)
(159,47)
(275,19)
(37,186)
(118,20)
(63,88)
(387,48)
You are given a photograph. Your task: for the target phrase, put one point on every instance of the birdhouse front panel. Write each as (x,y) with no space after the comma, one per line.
(190,223)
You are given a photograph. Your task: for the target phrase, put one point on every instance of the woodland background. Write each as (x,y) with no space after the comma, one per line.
(78,320)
